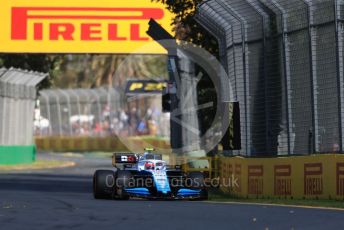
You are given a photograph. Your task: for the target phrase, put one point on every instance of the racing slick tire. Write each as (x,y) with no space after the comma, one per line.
(103,184)
(196,181)
(123,180)
(204,194)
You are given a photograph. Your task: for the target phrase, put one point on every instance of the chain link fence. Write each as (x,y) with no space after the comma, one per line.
(98,112)
(285,61)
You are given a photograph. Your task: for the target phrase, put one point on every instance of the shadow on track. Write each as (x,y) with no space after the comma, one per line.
(46,183)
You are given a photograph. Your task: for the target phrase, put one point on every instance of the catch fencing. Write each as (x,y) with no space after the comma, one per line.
(18,94)
(100,112)
(284,59)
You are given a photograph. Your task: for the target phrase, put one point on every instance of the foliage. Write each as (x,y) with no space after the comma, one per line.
(185,26)
(34,62)
(89,71)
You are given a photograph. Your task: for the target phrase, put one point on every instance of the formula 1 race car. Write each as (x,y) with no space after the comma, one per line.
(147,176)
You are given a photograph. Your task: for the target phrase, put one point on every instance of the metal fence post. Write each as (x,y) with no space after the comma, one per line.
(286,72)
(63,92)
(311,46)
(340,69)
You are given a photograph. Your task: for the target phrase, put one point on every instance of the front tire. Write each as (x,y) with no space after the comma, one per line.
(103,184)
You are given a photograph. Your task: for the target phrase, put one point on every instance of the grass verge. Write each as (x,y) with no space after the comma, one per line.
(218,196)
(42,164)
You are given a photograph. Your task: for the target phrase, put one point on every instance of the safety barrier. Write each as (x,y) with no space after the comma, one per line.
(308,177)
(18,92)
(11,155)
(107,144)
(299,177)
(194,164)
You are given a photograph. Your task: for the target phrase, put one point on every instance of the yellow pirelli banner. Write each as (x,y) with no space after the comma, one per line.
(309,177)
(79,26)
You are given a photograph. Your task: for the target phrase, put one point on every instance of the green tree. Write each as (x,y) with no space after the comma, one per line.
(185,26)
(93,70)
(87,70)
(34,62)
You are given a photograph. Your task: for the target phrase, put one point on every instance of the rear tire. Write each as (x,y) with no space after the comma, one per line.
(123,180)
(196,181)
(204,194)
(103,184)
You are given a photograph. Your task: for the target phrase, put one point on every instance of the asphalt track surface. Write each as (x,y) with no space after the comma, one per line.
(62,199)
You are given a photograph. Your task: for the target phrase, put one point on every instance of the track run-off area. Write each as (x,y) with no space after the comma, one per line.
(62,199)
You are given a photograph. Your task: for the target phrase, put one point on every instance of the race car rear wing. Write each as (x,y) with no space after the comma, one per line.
(123,160)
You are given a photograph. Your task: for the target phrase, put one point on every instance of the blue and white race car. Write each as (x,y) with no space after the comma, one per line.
(147,176)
